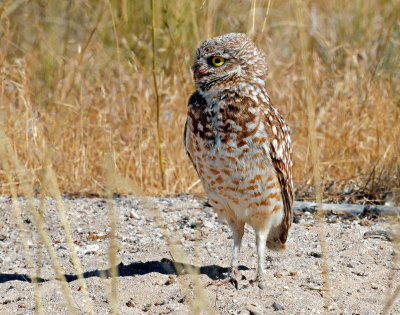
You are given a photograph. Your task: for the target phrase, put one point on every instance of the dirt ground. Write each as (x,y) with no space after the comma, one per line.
(362,264)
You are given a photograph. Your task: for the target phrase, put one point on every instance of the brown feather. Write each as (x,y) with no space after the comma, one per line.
(283,170)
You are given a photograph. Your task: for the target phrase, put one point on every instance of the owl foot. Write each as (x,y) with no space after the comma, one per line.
(231,278)
(262,284)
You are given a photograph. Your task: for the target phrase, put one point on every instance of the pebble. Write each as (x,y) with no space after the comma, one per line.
(277,307)
(331,307)
(88,249)
(331,219)
(253,311)
(146,307)
(134,215)
(208,224)
(130,303)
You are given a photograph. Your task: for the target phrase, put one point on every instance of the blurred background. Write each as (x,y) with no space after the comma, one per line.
(77,85)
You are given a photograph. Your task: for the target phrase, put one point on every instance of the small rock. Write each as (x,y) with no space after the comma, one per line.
(89,249)
(171,279)
(134,215)
(253,311)
(316,255)
(331,307)
(331,219)
(130,303)
(365,222)
(350,217)
(160,303)
(192,238)
(360,274)
(208,224)
(27,221)
(146,307)
(196,225)
(374,286)
(2,237)
(277,307)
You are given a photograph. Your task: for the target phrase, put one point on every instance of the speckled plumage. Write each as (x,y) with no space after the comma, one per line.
(239,144)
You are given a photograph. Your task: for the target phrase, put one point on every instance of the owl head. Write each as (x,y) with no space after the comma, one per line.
(227,60)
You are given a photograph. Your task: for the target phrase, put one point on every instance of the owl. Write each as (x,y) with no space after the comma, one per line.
(240,145)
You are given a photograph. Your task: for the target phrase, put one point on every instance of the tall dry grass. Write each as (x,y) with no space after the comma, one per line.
(80,74)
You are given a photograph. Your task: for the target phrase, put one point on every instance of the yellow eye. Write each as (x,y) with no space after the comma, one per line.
(217,61)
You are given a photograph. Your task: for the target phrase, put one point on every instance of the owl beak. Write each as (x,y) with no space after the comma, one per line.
(198,73)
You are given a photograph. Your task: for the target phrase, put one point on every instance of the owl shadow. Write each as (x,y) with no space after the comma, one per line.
(164,266)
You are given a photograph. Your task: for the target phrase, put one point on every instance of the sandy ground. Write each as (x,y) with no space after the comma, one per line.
(363,270)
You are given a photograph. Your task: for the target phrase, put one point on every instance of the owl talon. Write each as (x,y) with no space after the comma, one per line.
(261,283)
(233,281)
(231,278)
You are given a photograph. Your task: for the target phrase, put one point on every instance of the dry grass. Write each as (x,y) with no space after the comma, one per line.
(73,81)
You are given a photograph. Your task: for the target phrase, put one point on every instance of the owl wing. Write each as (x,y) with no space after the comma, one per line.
(185,141)
(196,106)
(281,157)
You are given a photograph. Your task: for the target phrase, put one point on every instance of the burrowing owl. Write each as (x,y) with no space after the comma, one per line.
(239,144)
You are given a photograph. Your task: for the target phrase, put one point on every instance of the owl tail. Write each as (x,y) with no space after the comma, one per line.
(275,240)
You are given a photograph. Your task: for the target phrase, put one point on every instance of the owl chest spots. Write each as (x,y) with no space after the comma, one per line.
(223,141)
(213,126)
(221,120)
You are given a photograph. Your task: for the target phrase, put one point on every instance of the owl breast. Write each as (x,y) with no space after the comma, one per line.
(228,145)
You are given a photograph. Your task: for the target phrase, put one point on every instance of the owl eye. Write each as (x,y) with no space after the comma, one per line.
(217,61)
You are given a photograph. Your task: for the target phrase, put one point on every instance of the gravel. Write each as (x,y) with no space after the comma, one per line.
(361,258)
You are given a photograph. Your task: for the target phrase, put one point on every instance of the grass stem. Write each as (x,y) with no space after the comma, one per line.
(158,99)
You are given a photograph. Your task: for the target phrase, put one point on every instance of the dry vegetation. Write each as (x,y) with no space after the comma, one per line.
(76,84)
(78,105)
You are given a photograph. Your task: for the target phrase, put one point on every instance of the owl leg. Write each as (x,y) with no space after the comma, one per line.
(238,231)
(261,238)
